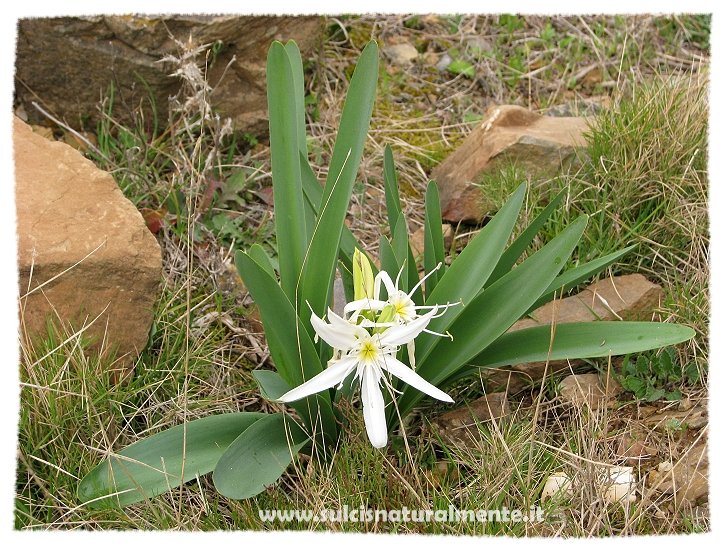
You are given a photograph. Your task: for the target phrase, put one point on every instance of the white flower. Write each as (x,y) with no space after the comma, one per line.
(402,309)
(370,355)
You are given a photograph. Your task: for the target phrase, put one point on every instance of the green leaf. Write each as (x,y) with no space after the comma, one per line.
(271,385)
(299,94)
(400,247)
(258,457)
(593,339)
(467,274)
(288,205)
(520,244)
(258,254)
(571,278)
(434,241)
(461,67)
(163,461)
(387,258)
(391,189)
(495,310)
(291,347)
(318,271)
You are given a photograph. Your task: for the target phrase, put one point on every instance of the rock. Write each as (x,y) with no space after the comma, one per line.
(417,239)
(83,249)
(629,297)
(69,62)
(460,426)
(401,54)
(633,449)
(508,134)
(696,417)
(444,62)
(590,389)
(687,478)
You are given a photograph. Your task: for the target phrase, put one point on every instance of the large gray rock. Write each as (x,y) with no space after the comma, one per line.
(84,251)
(68,63)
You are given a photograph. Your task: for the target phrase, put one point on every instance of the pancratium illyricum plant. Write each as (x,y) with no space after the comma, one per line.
(383,334)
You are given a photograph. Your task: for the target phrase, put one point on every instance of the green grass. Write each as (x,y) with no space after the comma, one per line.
(644,182)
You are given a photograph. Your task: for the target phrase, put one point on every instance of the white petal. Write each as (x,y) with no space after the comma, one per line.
(373,405)
(337,335)
(411,354)
(383,277)
(364,304)
(396,336)
(404,373)
(331,376)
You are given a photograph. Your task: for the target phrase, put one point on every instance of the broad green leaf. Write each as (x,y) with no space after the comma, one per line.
(257,253)
(521,243)
(299,93)
(467,274)
(313,192)
(163,461)
(569,279)
(593,339)
(288,205)
(258,457)
(388,259)
(496,309)
(391,190)
(401,249)
(320,264)
(291,347)
(434,241)
(271,384)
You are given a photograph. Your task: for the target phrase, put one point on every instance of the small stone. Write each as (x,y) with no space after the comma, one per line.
(591,389)
(508,134)
(401,54)
(444,62)
(686,478)
(460,426)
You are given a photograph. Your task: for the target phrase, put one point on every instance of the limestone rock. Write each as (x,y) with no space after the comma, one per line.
(590,389)
(687,478)
(401,54)
(69,62)
(629,297)
(461,425)
(508,134)
(83,248)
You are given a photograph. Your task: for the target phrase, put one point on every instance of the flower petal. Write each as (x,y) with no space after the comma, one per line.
(400,334)
(329,377)
(404,373)
(373,405)
(383,277)
(337,335)
(364,304)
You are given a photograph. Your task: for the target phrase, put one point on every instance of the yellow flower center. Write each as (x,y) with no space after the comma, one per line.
(368,352)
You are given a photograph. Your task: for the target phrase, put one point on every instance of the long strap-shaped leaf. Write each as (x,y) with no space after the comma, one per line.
(594,339)
(284,150)
(494,310)
(258,457)
(434,241)
(468,273)
(569,279)
(320,264)
(291,348)
(521,243)
(163,461)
